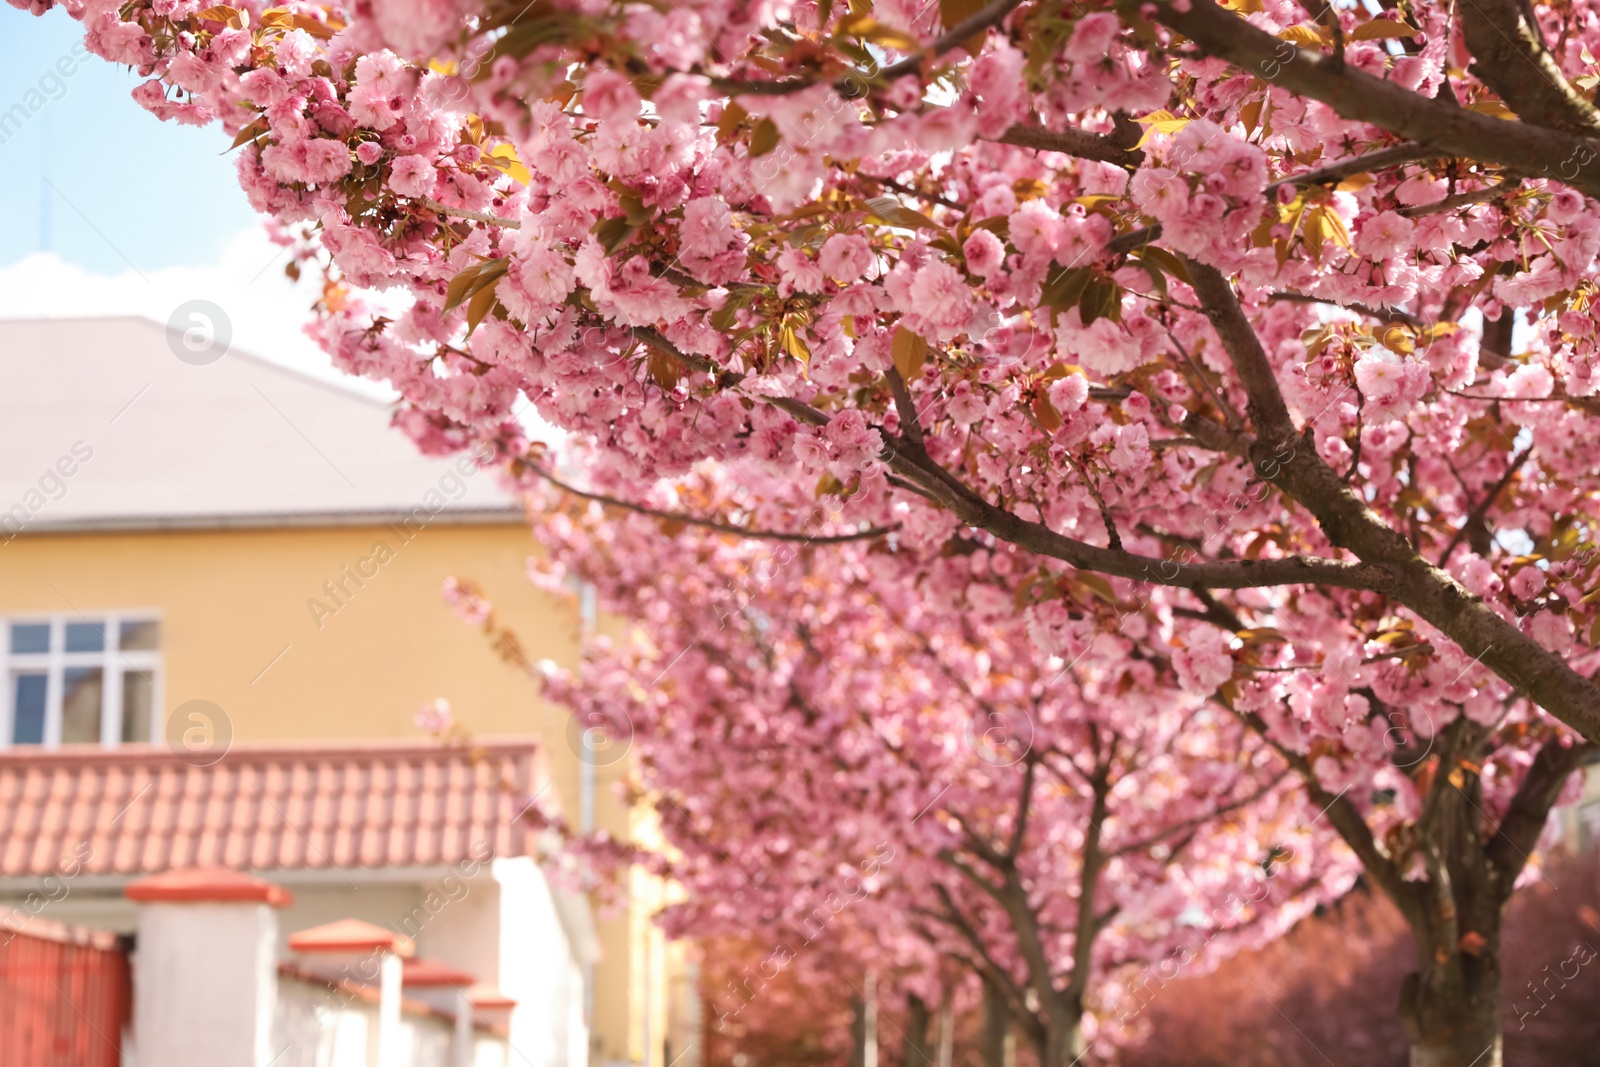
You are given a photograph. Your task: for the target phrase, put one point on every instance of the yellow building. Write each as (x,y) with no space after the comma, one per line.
(227,552)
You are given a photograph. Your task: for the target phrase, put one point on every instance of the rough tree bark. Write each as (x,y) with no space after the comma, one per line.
(996,1025)
(914,1043)
(1450,1005)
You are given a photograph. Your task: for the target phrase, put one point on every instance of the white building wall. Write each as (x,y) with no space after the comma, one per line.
(539,969)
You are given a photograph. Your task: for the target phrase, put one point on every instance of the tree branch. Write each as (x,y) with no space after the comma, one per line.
(475,216)
(1345,819)
(1520,147)
(1001,978)
(1291,464)
(1450,203)
(1091,863)
(1334,173)
(912,463)
(1071,142)
(1529,810)
(1510,57)
(953,36)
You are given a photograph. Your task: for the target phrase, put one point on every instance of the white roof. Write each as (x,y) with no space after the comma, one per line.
(236,442)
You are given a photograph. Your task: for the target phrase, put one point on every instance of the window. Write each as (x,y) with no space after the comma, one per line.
(73,680)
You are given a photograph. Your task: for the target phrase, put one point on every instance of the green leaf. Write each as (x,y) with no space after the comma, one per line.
(1162,121)
(611,232)
(1101,298)
(541,25)
(316,29)
(1167,261)
(664,368)
(250,132)
(1045,413)
(1306,35)
(633,209)
(764,138)
(725,317)
(1062,288)
(910,352)
(732,116)
(893,213)
(459,287)
(954,12)
(1382,29)
(1097,585)
(472,280)
(1157,277)
(481,302)
(794,344)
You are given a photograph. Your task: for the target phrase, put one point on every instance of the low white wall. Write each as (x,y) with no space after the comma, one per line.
(319,1027)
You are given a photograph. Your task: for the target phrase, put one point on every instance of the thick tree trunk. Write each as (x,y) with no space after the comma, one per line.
(914,1050)
(1064,1046)
(996,1024)
(1454,1023)
(1451,1005)
(864,1028)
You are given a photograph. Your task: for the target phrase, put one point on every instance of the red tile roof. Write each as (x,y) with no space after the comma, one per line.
(139,809)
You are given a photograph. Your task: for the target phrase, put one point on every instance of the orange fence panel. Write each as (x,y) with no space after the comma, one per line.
(64,996)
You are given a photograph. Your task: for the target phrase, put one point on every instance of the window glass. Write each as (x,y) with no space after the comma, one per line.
(86,637)
(142,635)
(30,637)
(81,700)
(138,694)
(27,709)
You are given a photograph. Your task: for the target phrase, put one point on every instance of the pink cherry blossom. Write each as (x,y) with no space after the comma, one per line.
(412,176)
(845,257)
(984,253)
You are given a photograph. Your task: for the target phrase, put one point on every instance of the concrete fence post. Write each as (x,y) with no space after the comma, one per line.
(205,968)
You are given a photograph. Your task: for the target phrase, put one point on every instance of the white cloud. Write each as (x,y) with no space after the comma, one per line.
(266,310)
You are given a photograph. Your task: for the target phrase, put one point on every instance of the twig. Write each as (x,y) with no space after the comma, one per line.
(992,15)
(1383,158)
(475,216)
(1450,203)
(1226,408)
(1391,315)
(1482,508)
(854,84)
(1114,539)
(711,524)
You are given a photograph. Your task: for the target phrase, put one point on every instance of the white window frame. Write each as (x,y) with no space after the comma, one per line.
(113,664)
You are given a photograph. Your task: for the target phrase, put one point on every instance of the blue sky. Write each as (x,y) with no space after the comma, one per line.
(105,210)
(115,168)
